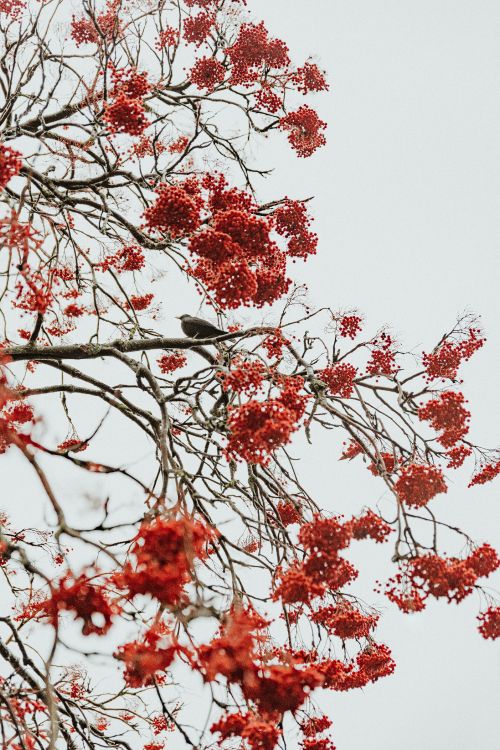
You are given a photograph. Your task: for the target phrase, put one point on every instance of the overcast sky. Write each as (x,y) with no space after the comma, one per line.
(406,204)
(406,199)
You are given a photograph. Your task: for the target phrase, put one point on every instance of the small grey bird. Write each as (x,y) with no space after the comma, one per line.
(197,328)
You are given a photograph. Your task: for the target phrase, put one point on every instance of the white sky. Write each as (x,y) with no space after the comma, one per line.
(406,204)
(406,200)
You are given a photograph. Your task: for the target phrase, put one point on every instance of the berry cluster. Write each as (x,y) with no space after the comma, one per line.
(164,553)
(125,115)
(439,577)
(10,164)
(448,414)
(207,73)
(245,377)
(383,357)
(339,378)
(419,483)
(254,53)
(171,362)
(444,361)
(198,27)
(305,130)
(258,428)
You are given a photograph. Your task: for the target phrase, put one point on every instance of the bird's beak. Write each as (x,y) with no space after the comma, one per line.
(177,317)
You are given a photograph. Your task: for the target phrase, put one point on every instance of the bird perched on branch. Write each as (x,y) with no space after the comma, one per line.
(197,328)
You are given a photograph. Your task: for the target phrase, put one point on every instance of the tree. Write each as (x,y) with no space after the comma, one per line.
(125,156)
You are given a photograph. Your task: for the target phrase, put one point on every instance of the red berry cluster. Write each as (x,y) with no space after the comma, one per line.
(168,37)
(310,78)
(146,660)
(179,145)
(125,115)
(174,211)
(292,221)
(457,455)
(289,513)
(419,483)
(245,377)
(163,556)
(207,73)
(259,734)
(371,526)
(386,463)
(305,130)
(128,258)
(198,27)
(439,577)
(268,100)
(254,54)
(371,664)
(350,326)
(489,623)
(10,164)
(383,357)
(139,302)
(323,568)
(81,596)
(258,428)
(448,414)
(339,378)
(272,688)
(106,26)
(444,361)
(352,450)
(171,362)
(345,621)
(12,8)
(486,474)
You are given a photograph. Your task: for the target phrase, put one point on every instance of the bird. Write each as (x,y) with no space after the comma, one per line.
(197,328)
